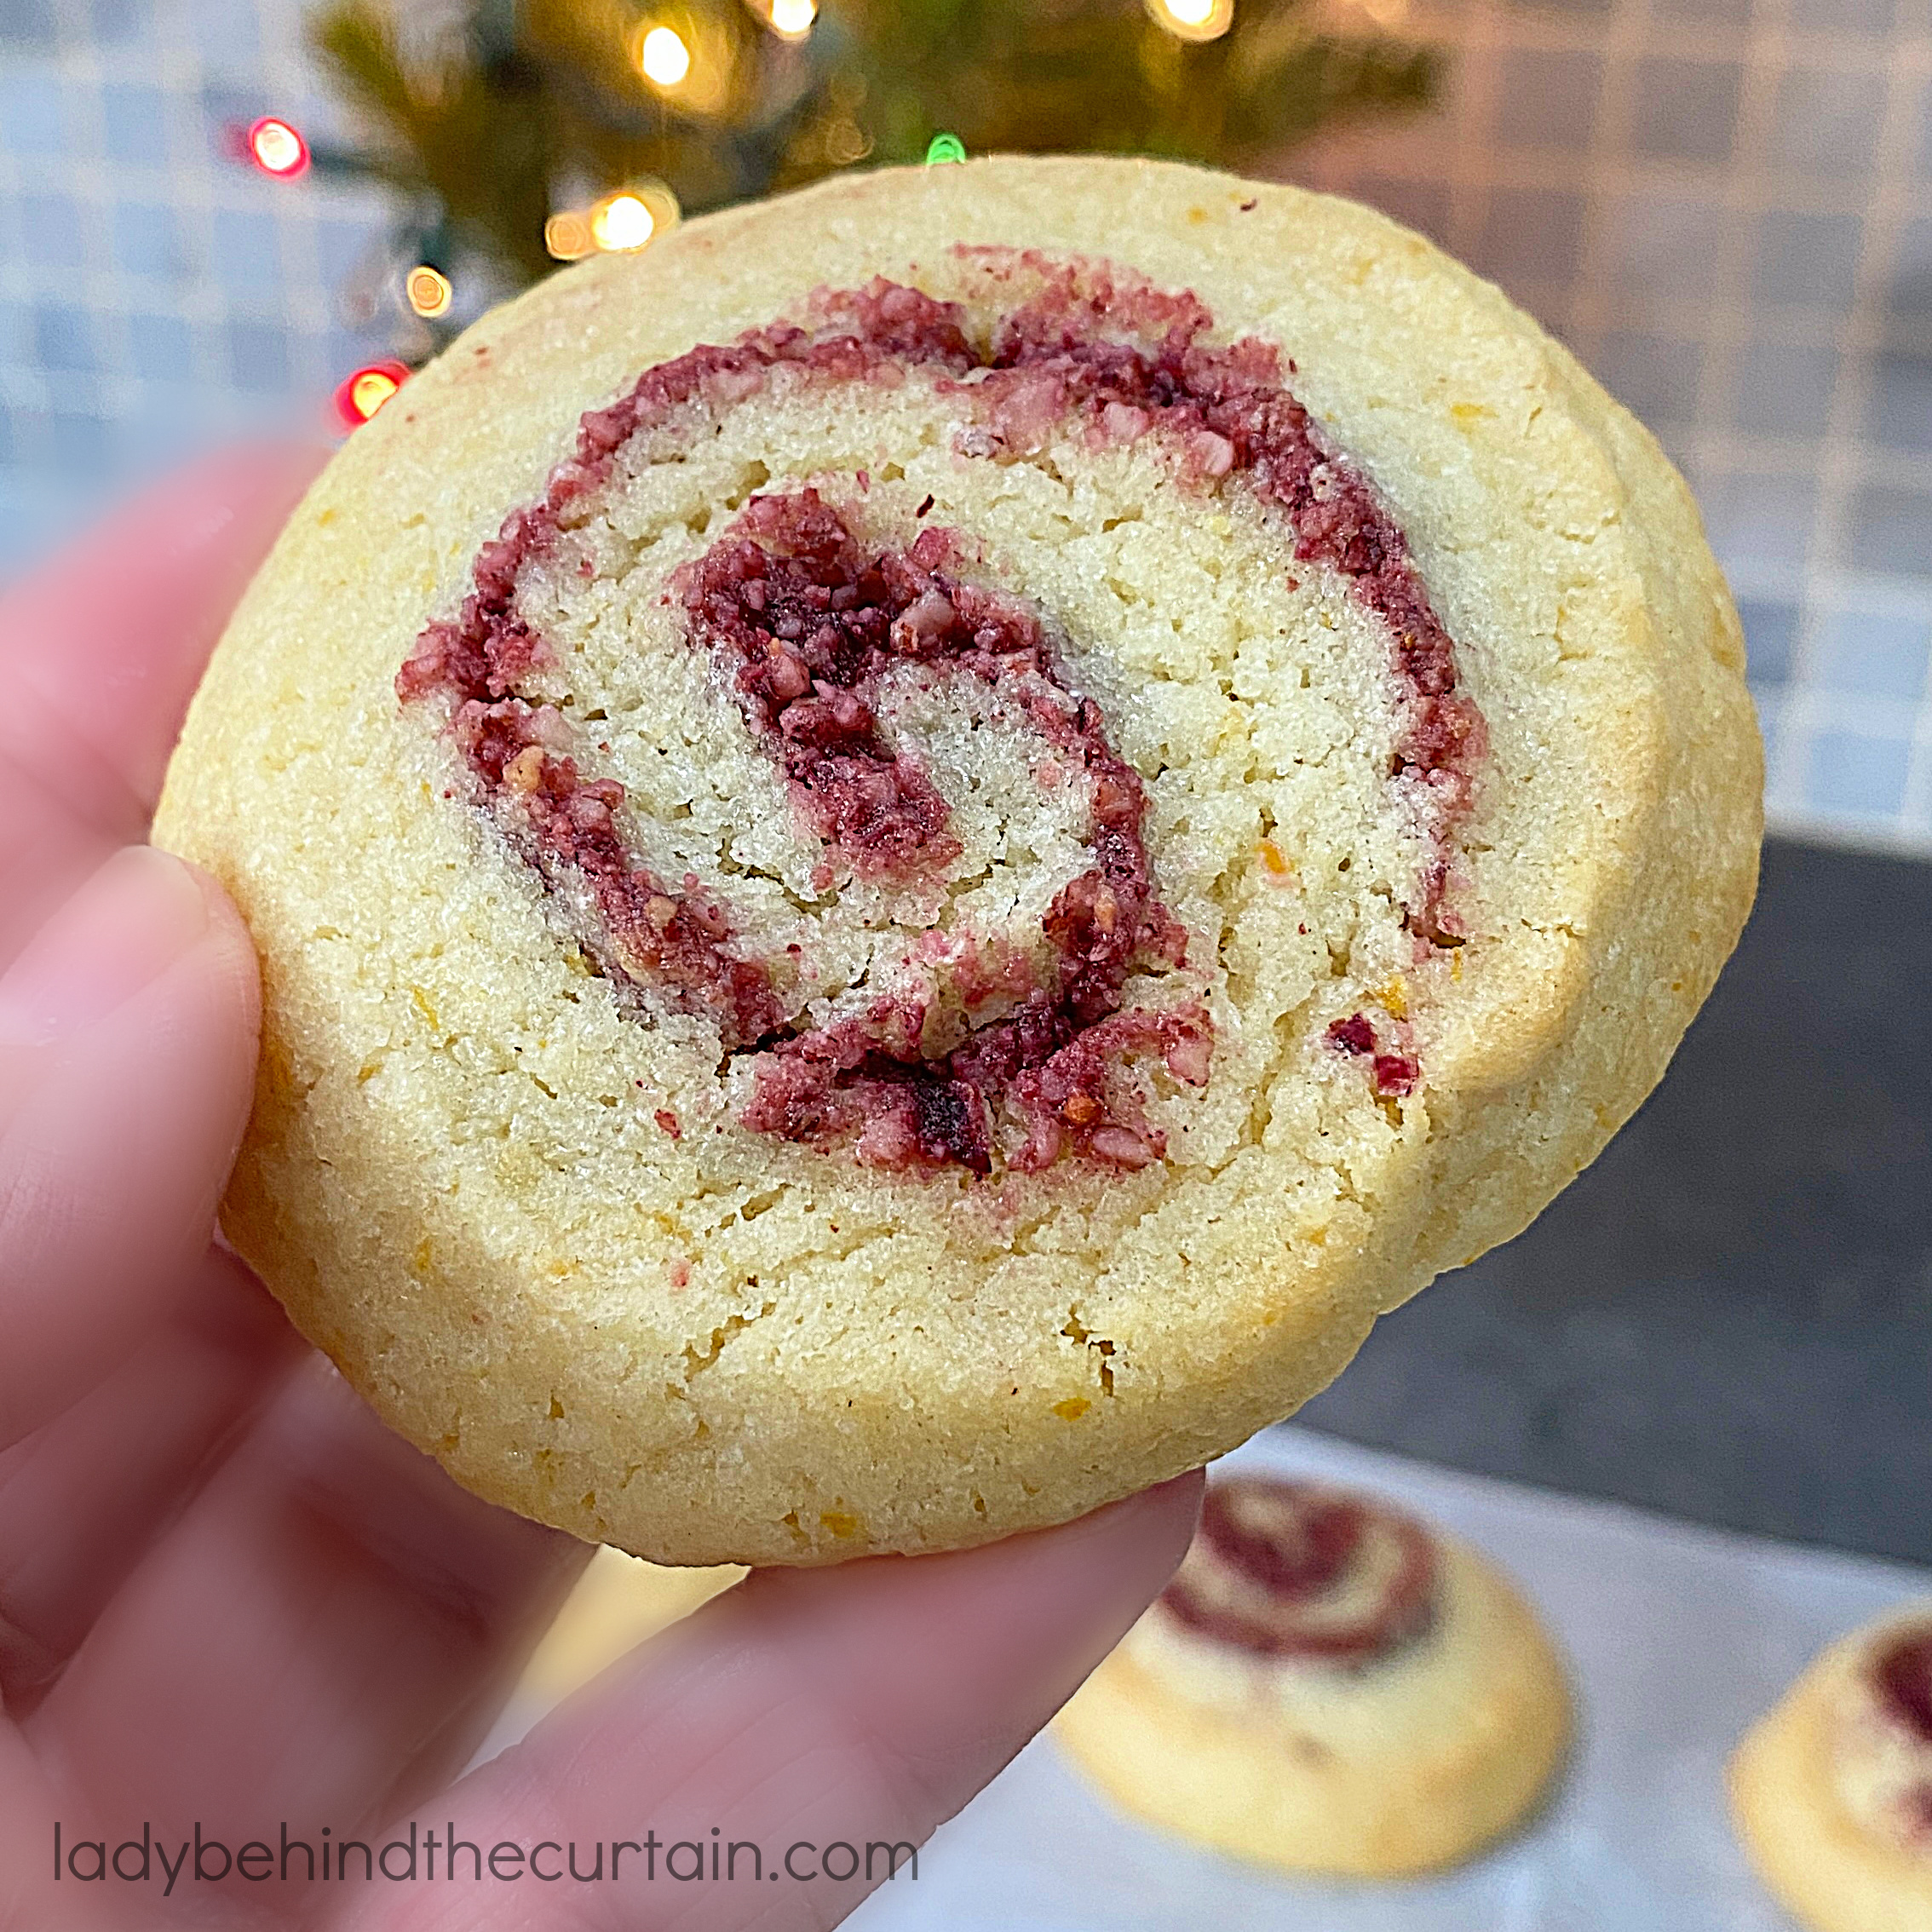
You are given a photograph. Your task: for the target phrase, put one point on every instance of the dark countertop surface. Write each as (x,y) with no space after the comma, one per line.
(1729,1316)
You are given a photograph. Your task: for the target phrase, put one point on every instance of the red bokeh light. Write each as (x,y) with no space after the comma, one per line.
(277,148)
(362,394)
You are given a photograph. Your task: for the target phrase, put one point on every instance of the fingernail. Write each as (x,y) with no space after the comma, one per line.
(132,920)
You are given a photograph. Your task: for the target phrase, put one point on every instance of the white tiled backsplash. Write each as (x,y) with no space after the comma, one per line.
(154,295)
(1725,206)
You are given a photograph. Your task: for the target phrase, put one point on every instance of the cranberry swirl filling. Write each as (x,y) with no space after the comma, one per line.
(1291,1569)
(1883,1756)
(805,619)
(1902,1674)
(1026,1055)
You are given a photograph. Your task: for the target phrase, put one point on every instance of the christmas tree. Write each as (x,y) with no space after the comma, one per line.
(520,132)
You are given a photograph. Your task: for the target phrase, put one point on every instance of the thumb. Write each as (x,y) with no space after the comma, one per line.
(128,1032)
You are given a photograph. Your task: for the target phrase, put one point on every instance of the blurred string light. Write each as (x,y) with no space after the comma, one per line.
(945,147)
(621,223)
(277,148)
(792,19)
(663,57)
(1192,19)
(691,66)
(844,142)
(430,291)
(366,392)
(567,235)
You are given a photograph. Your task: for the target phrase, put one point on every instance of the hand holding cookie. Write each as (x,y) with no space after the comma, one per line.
(229,1598)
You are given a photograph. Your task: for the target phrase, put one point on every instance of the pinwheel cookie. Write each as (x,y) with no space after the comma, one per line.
(1326,1686)
(909,853)
(1832,1791)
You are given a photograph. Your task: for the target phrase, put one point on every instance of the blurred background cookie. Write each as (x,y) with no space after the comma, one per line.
(1326,1686)
(1831,1791)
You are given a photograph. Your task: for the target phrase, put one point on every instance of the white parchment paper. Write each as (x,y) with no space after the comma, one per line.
(1678,1638)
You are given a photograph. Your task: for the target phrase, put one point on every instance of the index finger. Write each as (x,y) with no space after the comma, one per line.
(858,1705)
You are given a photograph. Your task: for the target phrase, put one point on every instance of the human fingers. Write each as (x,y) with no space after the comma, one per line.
(100,649)
(84,1499)
(128,1032)
(328,1630)
(855,1708)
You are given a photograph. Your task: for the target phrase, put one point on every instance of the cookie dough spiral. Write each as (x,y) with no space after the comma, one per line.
(1292,1569)
(831,615)
(911,853)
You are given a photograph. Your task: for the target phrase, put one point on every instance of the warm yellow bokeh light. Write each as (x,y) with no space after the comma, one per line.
(567,235)
(620,222)
(430,291)
(1192,19)
(792,19)
(662,57)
